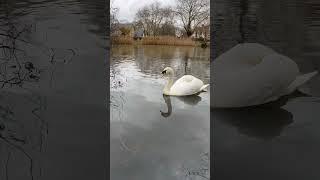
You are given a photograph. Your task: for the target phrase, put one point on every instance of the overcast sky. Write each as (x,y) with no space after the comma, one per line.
(128,8)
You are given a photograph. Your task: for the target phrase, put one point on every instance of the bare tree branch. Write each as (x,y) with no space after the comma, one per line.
(192,13)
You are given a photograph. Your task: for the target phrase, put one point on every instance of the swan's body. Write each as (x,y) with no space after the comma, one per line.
(252,74)
(186,85)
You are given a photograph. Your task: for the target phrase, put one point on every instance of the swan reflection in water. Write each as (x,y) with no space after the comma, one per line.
(263,122)
(190,100)
(259,122)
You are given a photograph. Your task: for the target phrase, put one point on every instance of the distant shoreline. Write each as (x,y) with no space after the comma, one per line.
(158,40)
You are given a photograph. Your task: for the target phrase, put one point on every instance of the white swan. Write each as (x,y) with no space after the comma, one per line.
(252,74)
(186,85)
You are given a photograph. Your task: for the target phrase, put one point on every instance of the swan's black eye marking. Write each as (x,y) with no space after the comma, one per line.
(163,72)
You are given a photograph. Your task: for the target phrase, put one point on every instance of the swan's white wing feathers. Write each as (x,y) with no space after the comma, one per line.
(186,85)
(186,78)
(300,80)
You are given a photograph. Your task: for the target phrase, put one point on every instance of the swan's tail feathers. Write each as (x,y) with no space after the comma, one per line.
(300,80)
(204,87)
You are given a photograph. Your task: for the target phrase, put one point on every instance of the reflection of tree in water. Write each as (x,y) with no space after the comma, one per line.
(152,59)
(115,78)
(289,27)
(97,11)
(203,171)
(23,128)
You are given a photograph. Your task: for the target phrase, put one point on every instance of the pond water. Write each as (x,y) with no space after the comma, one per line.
(154,136)
(53,120)
(281,140)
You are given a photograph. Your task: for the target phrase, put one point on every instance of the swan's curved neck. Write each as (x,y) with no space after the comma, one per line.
(167,87)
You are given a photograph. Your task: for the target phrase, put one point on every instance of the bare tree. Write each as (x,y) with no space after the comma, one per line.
(168,15)
(143,19)
(168,25)
(113,17)
(151,17)
(192,13)
(156,17)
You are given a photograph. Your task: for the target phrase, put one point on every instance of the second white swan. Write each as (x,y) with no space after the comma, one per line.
(186,85)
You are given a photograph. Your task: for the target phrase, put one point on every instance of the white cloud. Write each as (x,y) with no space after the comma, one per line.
(128,8)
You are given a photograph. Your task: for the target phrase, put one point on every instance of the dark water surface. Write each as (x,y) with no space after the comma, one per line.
(281,140)
(52,100)
(156,137)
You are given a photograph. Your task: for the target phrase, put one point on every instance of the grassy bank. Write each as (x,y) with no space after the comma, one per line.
(158,40)
(122,40)
(168,40)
